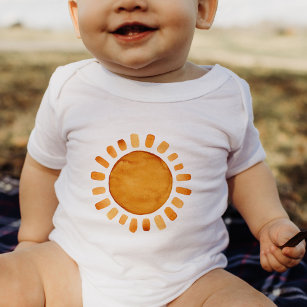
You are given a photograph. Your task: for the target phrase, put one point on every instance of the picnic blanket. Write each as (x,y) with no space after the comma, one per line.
(285,289)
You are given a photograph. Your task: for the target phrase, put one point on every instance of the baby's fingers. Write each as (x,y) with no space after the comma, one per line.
(296,252)
(285,258)
(277,261)
(264,261)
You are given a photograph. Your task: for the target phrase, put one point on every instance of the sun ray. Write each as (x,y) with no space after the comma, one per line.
(170,213)
(112,213)
(111,151)
(183,191)
(97,176)
(123,219)
(102,161)
(103,204)
(149,140)
(98,190)
(162,148)
(122,145)
(178,167)
(135,142)
(133,225)
(172,157)
(146,224)
(160,222)
(177,202)
(183,177)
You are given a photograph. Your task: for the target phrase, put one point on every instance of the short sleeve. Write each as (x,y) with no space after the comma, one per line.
(250,150)
(45,144)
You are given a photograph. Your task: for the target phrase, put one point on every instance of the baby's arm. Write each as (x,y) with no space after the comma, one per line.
(37,202)
(254,193)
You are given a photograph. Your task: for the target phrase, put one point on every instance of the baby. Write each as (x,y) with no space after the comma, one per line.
(130,166)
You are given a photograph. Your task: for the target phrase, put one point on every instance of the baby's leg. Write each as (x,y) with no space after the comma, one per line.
(41,275)
(220,288)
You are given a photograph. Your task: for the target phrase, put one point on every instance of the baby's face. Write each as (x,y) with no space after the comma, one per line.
(140,38)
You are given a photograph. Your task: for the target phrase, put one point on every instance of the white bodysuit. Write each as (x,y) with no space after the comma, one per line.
(143,182)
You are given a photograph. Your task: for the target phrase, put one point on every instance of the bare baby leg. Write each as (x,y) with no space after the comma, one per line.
(41,275)
(220,288)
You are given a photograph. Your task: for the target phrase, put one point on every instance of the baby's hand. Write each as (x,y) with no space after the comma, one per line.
(273,235)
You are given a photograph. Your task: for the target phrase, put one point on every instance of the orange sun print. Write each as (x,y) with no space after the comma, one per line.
(140,183)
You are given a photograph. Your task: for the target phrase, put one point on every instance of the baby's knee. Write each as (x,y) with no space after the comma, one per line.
(240,298)
(255,301)
(20,284)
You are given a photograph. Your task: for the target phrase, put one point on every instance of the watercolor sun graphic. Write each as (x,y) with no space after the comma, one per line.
(140,185)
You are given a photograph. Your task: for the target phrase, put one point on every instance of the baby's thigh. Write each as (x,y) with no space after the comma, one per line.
(38,276)
(20,283)
(221,288)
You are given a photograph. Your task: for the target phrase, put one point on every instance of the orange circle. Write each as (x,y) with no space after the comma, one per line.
(140,182)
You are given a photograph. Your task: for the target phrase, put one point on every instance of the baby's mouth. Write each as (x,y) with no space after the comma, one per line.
(134,29)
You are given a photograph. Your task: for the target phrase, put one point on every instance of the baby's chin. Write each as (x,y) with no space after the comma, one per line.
(137,69)
(146,72)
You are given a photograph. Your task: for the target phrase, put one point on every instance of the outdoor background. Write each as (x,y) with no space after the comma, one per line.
(263,41)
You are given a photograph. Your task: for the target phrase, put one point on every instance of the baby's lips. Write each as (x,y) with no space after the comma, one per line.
(133,25)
